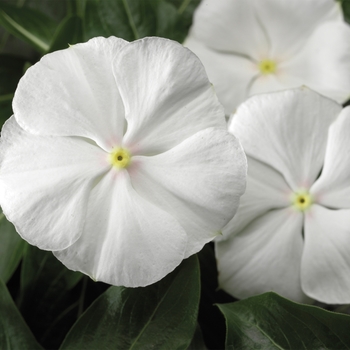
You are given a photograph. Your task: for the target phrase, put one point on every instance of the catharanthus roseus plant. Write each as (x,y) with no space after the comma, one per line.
(256,46)
(118,160)
(291,233)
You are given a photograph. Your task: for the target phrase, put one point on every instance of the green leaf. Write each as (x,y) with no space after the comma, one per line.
(197,342)
(11,249)
(69,32)
(269,321)
(45,296)
(14,333)
(11,70)
(129,19)
(185,10)
(346,9)
(160,316)
(28,24)
(92,22)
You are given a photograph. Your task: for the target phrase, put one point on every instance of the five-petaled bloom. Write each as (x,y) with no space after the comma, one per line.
(118,159)
(291,233)
(257,46)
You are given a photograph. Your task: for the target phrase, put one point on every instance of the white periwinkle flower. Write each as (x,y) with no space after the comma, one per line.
(257,46)
(118,160)
(291,233)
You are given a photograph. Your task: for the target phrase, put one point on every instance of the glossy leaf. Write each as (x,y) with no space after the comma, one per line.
(269,321)
(11,248)
(69,32)
(28,24)
(160,316)
(45,299)
(14,333)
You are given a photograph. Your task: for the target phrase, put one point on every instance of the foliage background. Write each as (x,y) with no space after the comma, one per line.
(45,305)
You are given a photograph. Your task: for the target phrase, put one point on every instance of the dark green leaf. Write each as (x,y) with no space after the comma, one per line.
(27,24)
(269,321)
(346,9)
(11,248)
(185,10)
(14,333)
(197,342)
(11,70)
(160,316)
(69,32)
(45,296)
(92,22)
(129,19)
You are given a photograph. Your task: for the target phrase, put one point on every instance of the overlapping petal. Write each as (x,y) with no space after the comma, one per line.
(231,84)
(265,256)
(288,24)
(65,94)
(166,94)
(127,240)
(229,26)
(288,131)
(199,182)
(324,62)
(45,183)
(332,189)
(266,190)
(325,266)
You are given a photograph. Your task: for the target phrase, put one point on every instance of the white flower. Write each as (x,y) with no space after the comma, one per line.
(118,160)
(256,46)
(291,233)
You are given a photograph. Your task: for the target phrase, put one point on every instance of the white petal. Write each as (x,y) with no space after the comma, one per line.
(274,82)
(332,189)
(288,131)
(265,256)
(45,183)
(230,74)
(324,63)
(73,92)
(266,190)
(166,94)
(289,23)
(325,267)
(199,182)
(126,240)
(229,26)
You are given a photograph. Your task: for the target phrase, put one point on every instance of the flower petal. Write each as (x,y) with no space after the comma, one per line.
(126,240)
(44,184)
(288,131)
(265,256)
(324,63)
(73,92)
(289,23)
(199,182)
(266,190)
(332,189)
(229,26)
(325,267)
(274,82)
(230,74)
(166,94)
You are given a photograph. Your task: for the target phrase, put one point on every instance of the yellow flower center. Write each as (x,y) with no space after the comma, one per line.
(302,200)
(120,158)
(267,67)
